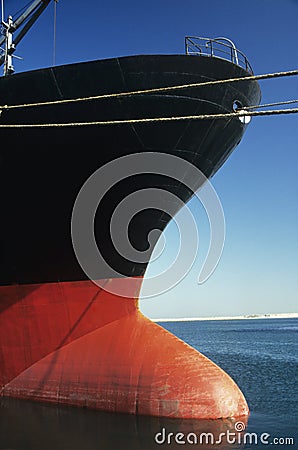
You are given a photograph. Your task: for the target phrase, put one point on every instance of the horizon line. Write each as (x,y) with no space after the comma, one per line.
(240,317)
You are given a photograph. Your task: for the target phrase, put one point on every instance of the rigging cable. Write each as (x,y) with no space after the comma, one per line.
(155,90)
(2,11)
(54,31)
(22,9)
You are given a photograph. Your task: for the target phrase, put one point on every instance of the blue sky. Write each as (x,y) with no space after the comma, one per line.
(257,186)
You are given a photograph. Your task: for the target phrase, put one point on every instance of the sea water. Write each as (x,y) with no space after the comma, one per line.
(261,355)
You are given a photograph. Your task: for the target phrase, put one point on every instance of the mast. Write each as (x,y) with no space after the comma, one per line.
(23,23)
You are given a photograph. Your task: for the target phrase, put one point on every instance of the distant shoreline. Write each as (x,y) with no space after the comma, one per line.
(245,317)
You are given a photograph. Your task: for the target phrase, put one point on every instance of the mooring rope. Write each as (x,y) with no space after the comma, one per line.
(153,90)
(288,102)
(155,119)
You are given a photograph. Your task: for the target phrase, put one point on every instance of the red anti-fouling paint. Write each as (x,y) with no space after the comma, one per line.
(75,343)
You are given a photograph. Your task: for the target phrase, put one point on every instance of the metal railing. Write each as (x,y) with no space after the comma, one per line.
(219,47)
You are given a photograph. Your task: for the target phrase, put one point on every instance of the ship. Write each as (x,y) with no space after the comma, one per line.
(74,338)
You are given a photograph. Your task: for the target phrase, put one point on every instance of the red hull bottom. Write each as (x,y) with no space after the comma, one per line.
(74,343)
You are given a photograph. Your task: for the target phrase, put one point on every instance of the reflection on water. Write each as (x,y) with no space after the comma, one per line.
(30,425)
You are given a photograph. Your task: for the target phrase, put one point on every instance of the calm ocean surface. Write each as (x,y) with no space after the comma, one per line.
(260,355)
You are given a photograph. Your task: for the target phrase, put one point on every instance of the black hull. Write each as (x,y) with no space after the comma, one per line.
(43,169)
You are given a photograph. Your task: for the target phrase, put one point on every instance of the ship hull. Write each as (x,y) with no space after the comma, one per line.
(43,169)
(77,344)
(62,337)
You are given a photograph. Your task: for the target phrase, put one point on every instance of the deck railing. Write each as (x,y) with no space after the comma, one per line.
(220,47)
